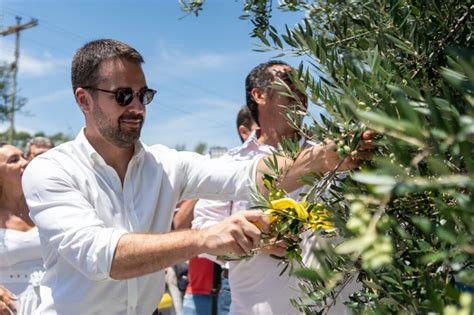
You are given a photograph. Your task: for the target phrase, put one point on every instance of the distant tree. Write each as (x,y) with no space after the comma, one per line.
(180,147)
(6,96)
(4,92)
(57,138)
(21,138)
(200,148)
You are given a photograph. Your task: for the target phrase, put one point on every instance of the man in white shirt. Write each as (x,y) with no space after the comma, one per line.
(103,203)
(256,284)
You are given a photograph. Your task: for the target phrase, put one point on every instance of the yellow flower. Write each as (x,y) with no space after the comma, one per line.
(287,203)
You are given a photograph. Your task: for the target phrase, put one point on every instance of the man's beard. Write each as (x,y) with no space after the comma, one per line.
(114,133)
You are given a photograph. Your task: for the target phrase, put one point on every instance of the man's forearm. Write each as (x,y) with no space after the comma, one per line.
(319,160)
(309,160)
(140,254)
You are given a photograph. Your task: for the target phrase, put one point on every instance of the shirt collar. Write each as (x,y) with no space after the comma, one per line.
(252,144)
(95,157)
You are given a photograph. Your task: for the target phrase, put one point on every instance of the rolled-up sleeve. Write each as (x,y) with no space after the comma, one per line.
(208,212)
(67,222)
(218,178)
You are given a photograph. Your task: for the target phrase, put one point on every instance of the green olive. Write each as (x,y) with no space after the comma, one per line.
(357,208)
(340,152)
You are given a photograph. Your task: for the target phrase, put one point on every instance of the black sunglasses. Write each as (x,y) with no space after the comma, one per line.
(124,96)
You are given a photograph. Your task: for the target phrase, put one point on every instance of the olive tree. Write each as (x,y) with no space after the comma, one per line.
(404,68)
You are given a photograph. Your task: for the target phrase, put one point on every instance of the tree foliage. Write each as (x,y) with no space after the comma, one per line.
(6,95)
(21,138)
(404,68)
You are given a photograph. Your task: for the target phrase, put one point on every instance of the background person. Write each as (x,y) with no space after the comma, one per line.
(37,146)
(245,123)
(256,284)
(21,265)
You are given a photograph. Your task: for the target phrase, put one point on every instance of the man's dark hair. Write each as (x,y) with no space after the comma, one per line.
(244,118)
(259,78)
(87,60)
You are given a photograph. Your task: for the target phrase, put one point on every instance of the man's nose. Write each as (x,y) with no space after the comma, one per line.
(136,105)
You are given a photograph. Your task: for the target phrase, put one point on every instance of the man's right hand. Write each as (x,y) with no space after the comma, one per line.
(236,235)
(7,305)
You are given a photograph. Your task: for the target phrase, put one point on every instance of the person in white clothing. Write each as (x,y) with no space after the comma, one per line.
(21,265)
(103,203)
(256,284)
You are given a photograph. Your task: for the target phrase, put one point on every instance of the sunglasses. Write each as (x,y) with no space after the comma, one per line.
(124,96)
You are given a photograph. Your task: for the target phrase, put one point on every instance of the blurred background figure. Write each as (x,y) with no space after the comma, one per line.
(21,265)
(245,123)
(37,146)
(208,290)
(257,285)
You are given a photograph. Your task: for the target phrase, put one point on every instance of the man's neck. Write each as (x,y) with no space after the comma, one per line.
(116,157)
(272,137)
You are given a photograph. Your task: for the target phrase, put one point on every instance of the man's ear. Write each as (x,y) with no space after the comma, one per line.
(258,95)
(84,99)
(244,132)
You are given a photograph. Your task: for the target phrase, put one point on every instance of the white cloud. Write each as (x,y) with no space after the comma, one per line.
(191,129)
(212,123)
(32,65)
(178,63)
(171,57)
(5,125)
(50,98)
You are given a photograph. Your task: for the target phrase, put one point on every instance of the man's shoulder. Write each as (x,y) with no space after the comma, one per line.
(167,156)
(246,151)
(64,157)
(164,151)
(56,154)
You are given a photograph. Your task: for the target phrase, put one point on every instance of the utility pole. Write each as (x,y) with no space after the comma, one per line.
(10,30)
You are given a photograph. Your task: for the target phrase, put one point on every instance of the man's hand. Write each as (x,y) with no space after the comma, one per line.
(317,159)
(7,305)
(363,152)
(236,235)
(275,248)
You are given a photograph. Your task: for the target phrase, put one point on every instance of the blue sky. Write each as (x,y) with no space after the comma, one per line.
(197,65)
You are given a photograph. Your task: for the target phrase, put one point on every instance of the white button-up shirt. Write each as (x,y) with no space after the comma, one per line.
(82,209)
(256,285)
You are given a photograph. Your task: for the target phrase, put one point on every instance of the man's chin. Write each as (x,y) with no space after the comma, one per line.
(128,138)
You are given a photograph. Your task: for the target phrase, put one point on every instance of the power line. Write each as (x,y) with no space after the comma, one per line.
(46,24)
(190,83)
(36,42)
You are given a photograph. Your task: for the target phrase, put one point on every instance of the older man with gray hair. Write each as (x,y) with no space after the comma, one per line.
(37,146)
